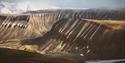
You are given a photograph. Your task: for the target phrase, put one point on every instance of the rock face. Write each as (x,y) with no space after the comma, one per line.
(69,34)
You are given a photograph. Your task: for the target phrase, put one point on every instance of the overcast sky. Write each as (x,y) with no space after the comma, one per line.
(38,4)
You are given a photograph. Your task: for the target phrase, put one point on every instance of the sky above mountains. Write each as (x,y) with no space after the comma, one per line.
(55,4)
(71,3)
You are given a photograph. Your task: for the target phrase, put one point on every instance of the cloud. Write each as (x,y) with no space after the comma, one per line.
(6,7)
(24,5)
(18,7)
(5,10)
(35,6)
